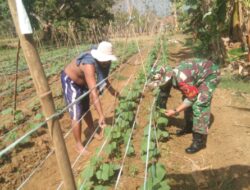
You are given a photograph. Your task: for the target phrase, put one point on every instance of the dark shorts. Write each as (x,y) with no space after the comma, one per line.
(71,92)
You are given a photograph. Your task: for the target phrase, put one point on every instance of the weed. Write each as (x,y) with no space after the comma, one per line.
(234,83)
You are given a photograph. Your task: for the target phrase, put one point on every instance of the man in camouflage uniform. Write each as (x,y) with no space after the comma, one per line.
(197,80)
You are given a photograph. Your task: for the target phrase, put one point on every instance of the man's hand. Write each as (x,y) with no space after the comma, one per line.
(102,122)
(171,113)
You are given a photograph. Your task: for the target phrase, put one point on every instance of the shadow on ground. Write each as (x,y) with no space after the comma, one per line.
(236,177)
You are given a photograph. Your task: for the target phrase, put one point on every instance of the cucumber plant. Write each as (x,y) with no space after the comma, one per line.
(156,178)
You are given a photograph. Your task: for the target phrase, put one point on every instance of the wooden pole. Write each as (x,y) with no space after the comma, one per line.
(248,38)
(16,76)
(46,100)
(248,44)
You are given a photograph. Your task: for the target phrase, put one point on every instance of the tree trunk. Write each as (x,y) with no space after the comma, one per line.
(248,39)
(235,24)
(248,43)
(205,6)
(176,25)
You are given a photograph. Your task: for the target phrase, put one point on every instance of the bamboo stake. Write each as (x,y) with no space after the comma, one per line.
(42,88)
(248,43)
(16,76)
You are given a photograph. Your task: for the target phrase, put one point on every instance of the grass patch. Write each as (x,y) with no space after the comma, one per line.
(235,54)
(235,83)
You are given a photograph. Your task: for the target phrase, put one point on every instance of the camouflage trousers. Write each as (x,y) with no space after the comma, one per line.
(200,112)
(163,96)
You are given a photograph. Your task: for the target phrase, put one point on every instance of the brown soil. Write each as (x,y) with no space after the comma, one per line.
(23,160)
(224,164)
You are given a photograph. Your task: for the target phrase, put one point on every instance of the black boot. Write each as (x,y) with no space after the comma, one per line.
(199,142)
(186,130)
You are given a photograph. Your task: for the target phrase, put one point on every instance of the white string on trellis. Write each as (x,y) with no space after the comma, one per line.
(11,146)
(66,108)
(104,143)
(148,145)
(128,143)
(123,161)
(36,169)
(47,60)
(126,146)
(52,151)
(26,68)
(65,136)
(29,80)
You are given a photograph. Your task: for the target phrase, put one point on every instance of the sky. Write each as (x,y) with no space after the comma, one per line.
(160,7)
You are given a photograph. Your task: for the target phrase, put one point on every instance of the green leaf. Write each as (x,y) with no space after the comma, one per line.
(96,160)
(145,144)
(110,148)
(19,117)
(163,111)
(146,130)
(164,185)
(161,135)
(162,121)
(127,136)
(12,136)
(7,111)
(122,123)
(25,140)
(131,150)
(128,116)
(88,172)
(116,167)
(105,172)
(99,174)
(207,17)
(116,133)
(101,187)
(160,171)
(87,185)
(107,131)
(149,185)
(38,116)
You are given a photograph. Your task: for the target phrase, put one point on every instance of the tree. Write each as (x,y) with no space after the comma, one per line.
(63,18)
(235,28)
(6,23)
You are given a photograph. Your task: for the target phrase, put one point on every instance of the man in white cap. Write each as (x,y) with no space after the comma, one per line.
(80,76)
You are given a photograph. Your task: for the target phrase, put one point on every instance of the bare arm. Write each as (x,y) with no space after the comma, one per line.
(173,112)
(89,72)
(184,105)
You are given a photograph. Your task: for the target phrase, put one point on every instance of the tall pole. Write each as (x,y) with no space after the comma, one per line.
(16,76)
(46,100)
(248,36)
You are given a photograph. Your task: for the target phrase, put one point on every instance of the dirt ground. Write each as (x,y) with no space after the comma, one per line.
(224,164)
(22,161)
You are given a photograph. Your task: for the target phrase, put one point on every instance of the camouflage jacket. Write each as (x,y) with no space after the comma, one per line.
(195,76)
